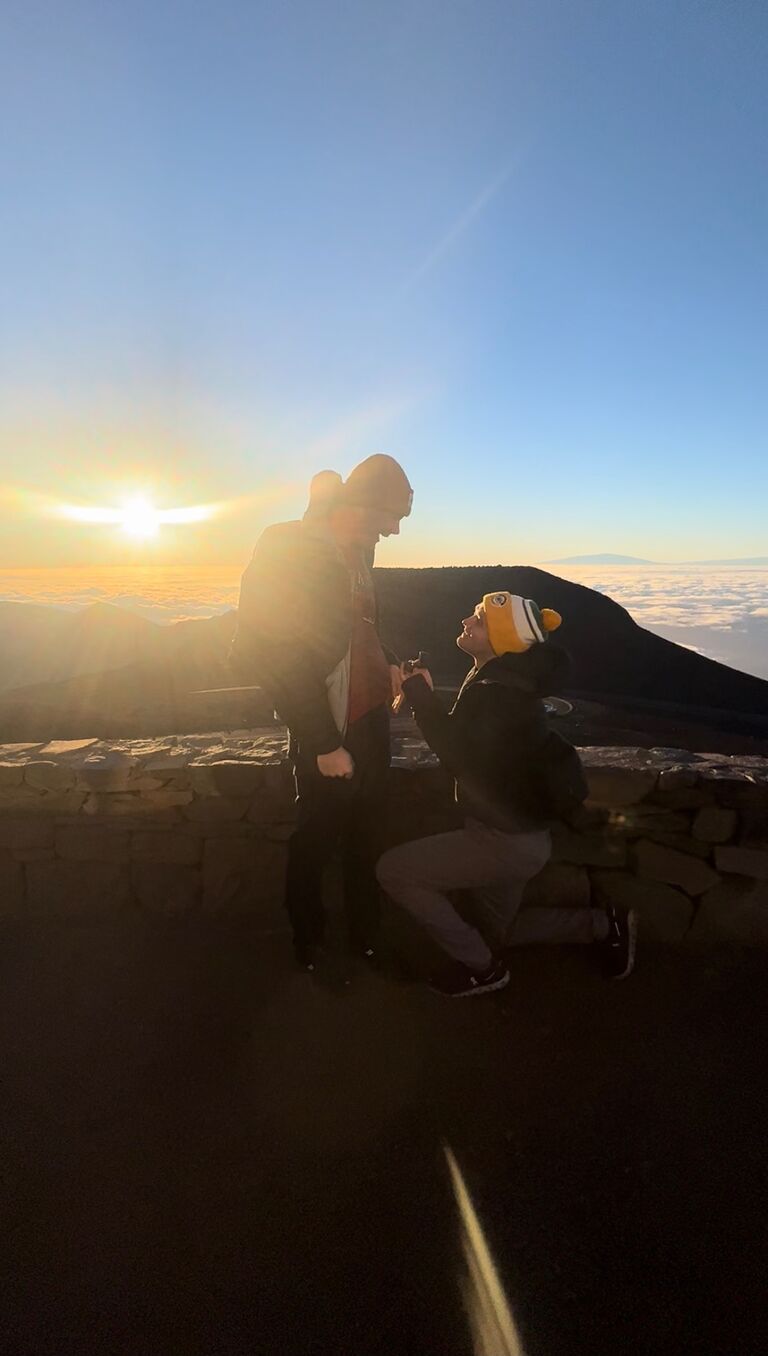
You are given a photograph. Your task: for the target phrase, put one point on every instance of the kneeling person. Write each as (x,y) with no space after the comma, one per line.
(496,743)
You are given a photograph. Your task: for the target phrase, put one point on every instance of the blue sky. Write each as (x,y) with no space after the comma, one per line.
(520,246)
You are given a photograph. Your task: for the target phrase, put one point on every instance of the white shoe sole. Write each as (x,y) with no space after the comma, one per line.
(478,990)
(631,945)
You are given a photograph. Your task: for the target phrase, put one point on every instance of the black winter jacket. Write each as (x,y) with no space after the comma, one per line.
(492,739)
(295,625)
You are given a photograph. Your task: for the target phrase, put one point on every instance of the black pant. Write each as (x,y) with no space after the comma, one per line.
(333,812)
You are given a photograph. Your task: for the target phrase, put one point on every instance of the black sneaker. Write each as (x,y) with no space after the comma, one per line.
(461,982)
(618,948)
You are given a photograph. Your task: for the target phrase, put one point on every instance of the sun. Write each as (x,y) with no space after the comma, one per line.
(139,518)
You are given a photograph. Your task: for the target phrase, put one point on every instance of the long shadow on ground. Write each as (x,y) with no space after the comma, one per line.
(209,1153)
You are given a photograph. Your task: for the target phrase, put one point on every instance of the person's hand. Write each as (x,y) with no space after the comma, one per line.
(396,681)
(418,673)
(340,763)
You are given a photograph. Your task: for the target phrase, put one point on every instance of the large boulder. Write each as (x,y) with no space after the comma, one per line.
(235,778)
(107,771)
(66,747)
(715,824)
(743,861)
(669,867)
(49,776)
(559,885)
(215,809)
(616,786)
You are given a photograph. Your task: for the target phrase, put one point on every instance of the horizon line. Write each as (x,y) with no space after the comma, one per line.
(530,561)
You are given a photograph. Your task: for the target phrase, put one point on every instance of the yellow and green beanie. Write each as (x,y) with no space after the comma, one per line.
(515,624)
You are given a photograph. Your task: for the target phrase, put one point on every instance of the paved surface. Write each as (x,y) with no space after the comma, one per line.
(208,1153)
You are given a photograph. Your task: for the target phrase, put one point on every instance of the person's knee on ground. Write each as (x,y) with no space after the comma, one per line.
(390,870)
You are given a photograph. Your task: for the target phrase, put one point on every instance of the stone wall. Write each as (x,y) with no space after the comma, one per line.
(200,822)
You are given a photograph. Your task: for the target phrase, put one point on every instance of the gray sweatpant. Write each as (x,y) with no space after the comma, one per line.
(496,866)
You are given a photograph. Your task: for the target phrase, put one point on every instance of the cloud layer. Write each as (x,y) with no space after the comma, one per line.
(720,613)
(162,594)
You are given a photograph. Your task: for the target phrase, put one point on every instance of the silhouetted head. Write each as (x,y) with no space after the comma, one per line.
(371,503)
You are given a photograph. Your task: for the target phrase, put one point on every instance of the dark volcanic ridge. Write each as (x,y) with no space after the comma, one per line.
(104,671)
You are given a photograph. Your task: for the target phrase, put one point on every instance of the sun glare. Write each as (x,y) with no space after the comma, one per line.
(139,518)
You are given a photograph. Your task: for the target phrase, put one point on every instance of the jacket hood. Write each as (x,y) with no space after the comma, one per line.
(543,670)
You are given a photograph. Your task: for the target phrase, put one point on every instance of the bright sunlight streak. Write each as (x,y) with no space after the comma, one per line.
(494,1332)
(137,516)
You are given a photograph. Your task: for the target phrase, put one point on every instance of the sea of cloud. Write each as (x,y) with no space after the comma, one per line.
(722,613)
(162,594)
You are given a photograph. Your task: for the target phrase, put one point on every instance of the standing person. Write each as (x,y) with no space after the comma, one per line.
(513,778)
(308,633)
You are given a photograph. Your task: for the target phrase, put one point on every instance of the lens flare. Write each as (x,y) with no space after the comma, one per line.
(494,1332)
(137,516)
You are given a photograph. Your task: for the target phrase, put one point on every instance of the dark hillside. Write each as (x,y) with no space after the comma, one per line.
(612,655)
